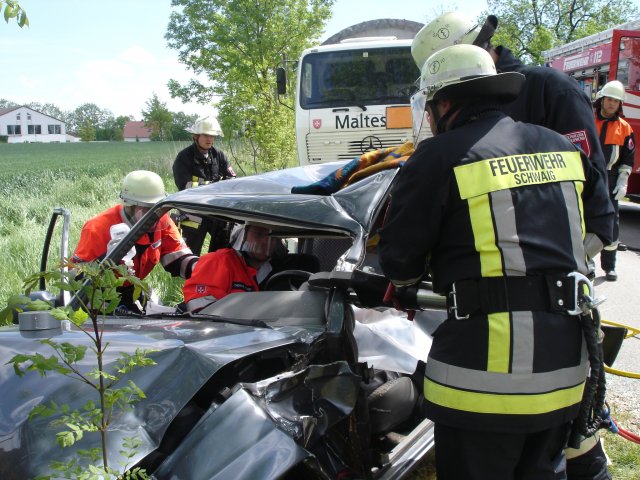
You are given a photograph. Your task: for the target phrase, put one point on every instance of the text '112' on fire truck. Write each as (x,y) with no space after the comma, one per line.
(610,55)
(353,91)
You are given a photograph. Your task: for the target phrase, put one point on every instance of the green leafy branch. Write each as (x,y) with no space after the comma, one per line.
(12,9)
(96,288)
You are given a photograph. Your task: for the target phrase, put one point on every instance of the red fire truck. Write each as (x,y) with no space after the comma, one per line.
(610,55)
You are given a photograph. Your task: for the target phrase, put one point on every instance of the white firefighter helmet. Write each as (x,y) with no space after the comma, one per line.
(142,188)
(451,28)
(206,126)
(467,72)
(613,89)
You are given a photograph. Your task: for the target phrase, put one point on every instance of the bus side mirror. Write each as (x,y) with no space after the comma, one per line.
(281,80)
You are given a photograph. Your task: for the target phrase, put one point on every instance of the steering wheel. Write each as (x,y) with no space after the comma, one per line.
(286,280)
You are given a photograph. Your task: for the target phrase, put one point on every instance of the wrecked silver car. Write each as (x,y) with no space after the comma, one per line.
(316,379)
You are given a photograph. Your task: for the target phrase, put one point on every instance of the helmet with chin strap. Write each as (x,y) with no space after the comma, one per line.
(462,74)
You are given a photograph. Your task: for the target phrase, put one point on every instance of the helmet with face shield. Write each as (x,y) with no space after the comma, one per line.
(462,74)
(255,240)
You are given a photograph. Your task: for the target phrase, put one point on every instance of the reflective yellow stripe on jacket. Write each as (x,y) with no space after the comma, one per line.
(507,384)
(516,171)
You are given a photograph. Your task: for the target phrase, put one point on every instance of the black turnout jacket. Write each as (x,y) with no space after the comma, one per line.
(191,167)
(492,197)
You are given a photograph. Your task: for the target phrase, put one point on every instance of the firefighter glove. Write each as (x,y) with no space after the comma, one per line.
(620,190)
(118,232)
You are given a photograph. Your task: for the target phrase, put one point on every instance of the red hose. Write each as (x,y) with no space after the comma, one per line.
(626,434)
(389,294)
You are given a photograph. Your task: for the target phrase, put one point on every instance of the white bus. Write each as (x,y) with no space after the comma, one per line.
(352,95)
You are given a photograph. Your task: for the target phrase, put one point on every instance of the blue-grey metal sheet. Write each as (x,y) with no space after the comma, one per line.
(238,440)
(187,354)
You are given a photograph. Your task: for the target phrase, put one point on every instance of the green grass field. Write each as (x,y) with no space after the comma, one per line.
(85,179)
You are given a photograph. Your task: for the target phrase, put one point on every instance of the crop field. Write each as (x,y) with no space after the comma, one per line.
(85,179)
(96,158)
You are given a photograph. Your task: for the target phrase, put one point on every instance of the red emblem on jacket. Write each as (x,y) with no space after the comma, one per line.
(580,140)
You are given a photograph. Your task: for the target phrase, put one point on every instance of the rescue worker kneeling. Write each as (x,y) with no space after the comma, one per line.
(230,270)
(163,243)
(506,371)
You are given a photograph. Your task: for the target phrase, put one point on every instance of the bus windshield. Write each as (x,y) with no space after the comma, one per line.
(375,76)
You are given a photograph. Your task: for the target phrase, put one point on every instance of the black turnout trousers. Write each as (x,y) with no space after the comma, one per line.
(475,455)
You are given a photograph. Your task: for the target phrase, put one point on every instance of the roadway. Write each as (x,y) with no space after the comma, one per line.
(622,305)
(630,224)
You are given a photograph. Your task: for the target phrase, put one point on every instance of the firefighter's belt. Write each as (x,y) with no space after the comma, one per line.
(550,293)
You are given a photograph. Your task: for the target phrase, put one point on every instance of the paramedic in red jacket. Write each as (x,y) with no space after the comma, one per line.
(163,243)
(231,270)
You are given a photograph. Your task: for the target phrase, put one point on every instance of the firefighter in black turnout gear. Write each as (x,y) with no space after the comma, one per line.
(496,211)
(548,98)
(199,164)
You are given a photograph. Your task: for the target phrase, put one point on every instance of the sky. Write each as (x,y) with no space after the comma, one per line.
(113,52)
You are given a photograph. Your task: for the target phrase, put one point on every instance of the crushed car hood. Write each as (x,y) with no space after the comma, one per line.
(187,354)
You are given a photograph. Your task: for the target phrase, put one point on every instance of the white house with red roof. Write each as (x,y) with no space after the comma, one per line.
(22,124)
(136,132)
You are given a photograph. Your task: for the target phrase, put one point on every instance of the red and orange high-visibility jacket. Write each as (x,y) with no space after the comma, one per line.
(163,245)
(216,275)
(617,141)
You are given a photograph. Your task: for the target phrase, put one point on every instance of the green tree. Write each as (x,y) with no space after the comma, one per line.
(120,122)
(528,27)
(96,287)
(237,44)
(87,132)
(112,128)
(4,103)
(87,113)
(180,122)
(48,109)
(12,9)
(158,117)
